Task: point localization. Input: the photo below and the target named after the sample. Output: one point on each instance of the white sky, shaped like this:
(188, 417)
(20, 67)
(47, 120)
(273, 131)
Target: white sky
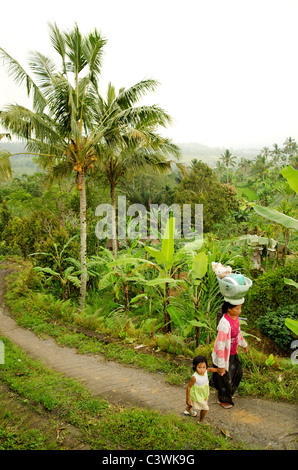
(228, 68)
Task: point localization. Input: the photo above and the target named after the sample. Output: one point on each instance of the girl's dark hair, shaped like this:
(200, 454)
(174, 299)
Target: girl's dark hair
(197, 361)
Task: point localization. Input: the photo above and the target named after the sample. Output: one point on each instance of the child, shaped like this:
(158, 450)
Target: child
(197, 391)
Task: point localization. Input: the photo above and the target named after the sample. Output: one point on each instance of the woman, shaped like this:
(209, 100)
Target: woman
(224, 355)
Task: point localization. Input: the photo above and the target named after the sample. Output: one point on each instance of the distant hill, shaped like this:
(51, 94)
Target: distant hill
(210, 155)
(24, 164)
(21, 164)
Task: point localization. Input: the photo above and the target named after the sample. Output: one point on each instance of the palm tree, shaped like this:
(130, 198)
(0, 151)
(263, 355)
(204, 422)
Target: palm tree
(68, 125)
(290, 150)
(131, 144)
(58, 125)
(261, 165)
(228, 160)
(244, 166)
(5, 168)
(276, 154)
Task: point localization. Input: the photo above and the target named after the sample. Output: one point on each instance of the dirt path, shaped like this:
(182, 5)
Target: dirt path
(260, 423)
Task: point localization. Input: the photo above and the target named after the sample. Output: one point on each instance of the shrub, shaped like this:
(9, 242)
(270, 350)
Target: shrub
(273, 325)
(270, 292)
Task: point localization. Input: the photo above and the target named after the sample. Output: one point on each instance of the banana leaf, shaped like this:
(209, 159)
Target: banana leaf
(292, 325)
(291, 176)
(277, 217)
(199, 266)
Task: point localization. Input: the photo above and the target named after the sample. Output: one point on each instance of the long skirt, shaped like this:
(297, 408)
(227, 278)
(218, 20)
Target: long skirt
(227, 384)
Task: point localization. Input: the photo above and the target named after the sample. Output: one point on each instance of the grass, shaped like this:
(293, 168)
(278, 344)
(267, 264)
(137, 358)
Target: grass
(43, 410)
(247, 192)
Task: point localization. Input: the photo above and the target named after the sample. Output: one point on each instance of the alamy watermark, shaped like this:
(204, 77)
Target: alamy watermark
(136, 222)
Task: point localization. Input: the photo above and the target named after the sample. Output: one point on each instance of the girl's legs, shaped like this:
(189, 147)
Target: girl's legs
(202, 415)
(189, 411)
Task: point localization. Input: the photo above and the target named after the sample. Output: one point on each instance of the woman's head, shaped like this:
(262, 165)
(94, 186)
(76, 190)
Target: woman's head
(199, 360)
(230, 308)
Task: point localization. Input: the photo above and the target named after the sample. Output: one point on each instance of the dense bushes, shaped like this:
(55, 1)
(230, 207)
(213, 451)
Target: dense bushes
(270, 292)
(273, 325)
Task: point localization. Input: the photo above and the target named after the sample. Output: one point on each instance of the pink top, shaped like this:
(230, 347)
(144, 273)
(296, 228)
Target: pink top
(222, 346)
(235, 330)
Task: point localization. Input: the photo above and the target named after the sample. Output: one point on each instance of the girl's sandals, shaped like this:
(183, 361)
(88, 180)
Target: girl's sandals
(192, 413)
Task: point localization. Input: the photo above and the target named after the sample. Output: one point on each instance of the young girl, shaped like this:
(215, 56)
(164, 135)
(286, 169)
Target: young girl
(197, 391)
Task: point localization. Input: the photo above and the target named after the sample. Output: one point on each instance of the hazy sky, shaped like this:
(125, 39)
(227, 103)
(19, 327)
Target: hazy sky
(228, 68)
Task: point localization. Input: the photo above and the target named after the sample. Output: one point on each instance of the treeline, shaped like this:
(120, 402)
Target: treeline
(36, 211)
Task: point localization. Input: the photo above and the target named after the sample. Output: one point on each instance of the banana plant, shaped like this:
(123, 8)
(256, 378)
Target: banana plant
(196, 286)
(196, 310)
(204, 291)
(288, 223)
(168, 263)
(121, 272)
(65, 276)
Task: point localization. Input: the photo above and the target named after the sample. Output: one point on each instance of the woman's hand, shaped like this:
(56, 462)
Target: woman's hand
(221, 370)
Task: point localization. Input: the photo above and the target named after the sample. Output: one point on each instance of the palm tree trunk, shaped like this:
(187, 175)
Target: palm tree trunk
(83, 234)
(114, 231)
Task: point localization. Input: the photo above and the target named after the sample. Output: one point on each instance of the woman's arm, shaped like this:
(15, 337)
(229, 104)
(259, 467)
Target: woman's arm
(221, 346)
(242, 342)
(212, 369)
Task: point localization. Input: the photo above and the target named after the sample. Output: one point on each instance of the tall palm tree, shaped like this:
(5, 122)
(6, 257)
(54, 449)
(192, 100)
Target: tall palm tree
(69, 125)
(132, 143)
(58, 125)
(228, 160)
(290, 149)
(276, 154)
(261, 166)
(244, 166)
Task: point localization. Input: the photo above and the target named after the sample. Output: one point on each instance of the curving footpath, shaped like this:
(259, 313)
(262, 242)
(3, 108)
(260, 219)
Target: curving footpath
(260, 423)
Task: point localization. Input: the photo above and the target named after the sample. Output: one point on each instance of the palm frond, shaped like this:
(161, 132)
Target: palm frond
(128, 97)
(20, 76)
(58, 42)
(75, 51)
(94, 53)
(5, 167)
(28, 124)
(44, 68)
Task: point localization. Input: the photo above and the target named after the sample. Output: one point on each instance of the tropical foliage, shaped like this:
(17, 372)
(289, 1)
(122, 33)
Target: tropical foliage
(71, 127)
(90, 148)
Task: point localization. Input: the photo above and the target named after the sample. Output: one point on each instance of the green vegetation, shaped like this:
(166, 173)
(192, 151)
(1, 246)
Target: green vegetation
(43, 410)
(45, 315)
(246, 192)
(109, 295)
(272, 324)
